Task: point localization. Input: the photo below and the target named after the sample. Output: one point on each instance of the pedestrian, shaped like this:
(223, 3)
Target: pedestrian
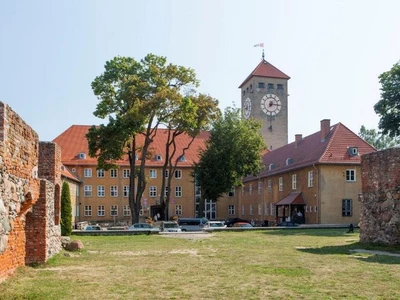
(155, 218)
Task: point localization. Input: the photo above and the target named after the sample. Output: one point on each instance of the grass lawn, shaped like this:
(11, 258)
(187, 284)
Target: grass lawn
(273, 264)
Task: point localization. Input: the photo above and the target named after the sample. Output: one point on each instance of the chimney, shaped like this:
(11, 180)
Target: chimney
(325, 128)
(298, 138)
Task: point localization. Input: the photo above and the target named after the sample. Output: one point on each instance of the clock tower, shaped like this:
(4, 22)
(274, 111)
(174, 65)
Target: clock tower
(265, 98)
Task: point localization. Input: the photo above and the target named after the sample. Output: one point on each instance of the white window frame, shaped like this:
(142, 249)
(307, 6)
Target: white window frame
(294, 181)
(232, 193)
(126, 191)
(87, 191)
(152, 191)
(113, 173)
(243, 209)
(310, 179)
(347, 207)
(243, 187)
(113, 210)
(126, 173)
(88, 211)
(101, 191)
(259, 188)
(178, 210)
(178, 174)
(250, 189)
(350, 175)
(114, 191)
(166, 174)
(101, 212)
(178, 191)
(127, 211)
(259, 209)
(87, 172)
(269, 185)
(231, 210)
(251, 209)
(280, 184)
(153, 173)
(100, 173)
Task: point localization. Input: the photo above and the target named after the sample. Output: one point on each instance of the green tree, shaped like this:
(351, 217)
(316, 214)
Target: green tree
(66, 210)
(388, 107)
(377, 139)
(137, 97)
(232, 152)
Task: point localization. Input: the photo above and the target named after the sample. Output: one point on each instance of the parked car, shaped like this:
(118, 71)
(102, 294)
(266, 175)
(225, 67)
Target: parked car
(229, 222)
(93, 227)
(287, 224)
(214, 224)
(143, 227)
(192, 224)
(170, 226)
(242, 224)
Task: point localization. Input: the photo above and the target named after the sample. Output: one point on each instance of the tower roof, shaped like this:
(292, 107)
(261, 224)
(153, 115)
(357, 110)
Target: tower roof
(265, 69)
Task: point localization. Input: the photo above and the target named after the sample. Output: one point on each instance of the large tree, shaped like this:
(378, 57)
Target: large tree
(66, 210)
(377, 139)
(388, 107)
(136, 96)
(232, 152)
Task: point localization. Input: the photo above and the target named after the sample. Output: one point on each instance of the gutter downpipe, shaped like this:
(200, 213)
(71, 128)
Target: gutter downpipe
(317, 194)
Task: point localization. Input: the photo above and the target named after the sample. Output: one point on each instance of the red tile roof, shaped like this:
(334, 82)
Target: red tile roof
(65, 172)
(73, 141)
(311, 150)
(265, 69)
(292, 198)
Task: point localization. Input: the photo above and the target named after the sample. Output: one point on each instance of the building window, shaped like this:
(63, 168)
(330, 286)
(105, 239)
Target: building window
(261, 85)
(114, 210)
(101, 191)
(113, 191)
(166, 174)
(127, 211)
(126, 191)
(269, 185)
(141, 212)
(153, 191)
(250, 189)
(259, 209)
(166, 191)
(266, 211)
(242, 190)
(153, 173)
(251, 209)
(310, 178)
(347, 207)
(88, 210)
(178, 210)
(270, 87)
(100, 173)
(178, 191)
(279, 89)
(178, 174)
(100, 211)
(351, 175)
(113, 173)
(231, 210)
(126, 173)
(231, 193)
(242, 209)
(294, 181)
(88, 191)
(259, 187)
(280, 184)
(87, 172)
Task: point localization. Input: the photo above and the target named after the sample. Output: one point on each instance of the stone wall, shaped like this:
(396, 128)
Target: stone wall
(380, 198)
(28, 222)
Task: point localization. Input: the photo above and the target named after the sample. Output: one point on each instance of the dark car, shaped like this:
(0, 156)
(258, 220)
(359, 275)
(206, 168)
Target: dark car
(287, 224)
(229, 222)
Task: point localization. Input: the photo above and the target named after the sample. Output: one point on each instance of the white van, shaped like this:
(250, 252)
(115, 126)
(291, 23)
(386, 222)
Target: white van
(192, 224)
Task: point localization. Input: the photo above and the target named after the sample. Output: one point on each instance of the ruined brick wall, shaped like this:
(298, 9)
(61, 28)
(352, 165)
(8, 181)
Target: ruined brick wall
(380, 199)
(20, 190)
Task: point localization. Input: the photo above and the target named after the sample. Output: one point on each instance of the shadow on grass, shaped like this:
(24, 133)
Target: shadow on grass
(314, 232)
(365, 257)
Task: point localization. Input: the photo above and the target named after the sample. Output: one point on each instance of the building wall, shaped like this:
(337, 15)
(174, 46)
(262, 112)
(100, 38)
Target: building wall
(380, 199)
(335, 188)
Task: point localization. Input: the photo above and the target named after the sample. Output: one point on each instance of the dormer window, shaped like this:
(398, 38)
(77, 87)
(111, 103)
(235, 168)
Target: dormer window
(82, 155)
(289, 161)
(182, 158)
(158, 157)
(353, 151)
(271, 167)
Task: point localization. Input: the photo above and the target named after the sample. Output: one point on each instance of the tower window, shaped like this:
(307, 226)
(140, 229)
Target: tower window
(279, 89)
(243, 92)
(270, 87)
(261, 85)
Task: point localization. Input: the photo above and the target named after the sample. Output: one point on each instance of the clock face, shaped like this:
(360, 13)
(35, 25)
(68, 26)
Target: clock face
(247, 108)
(270, 104)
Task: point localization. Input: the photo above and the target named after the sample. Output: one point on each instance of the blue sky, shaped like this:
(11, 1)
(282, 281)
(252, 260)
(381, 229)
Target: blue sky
(333, 51)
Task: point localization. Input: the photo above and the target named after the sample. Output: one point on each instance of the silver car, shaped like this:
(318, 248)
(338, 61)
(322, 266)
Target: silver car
(170, 226)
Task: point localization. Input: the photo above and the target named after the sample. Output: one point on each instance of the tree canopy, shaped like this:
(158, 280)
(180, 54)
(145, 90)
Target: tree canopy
(232, 152)
(377, 139)
(388, 107)
(138, 97)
